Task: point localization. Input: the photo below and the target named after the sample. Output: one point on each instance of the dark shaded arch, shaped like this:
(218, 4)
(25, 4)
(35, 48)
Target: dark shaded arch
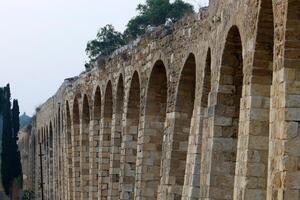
(47, 161)
(227, 114)
(206, 88)
(116, 140)
(183, 114)
(69, 164)
(129, 150)
(84, 148)
(105, 139)
(51, 162)
(108, 101)
(94, 152)
(292, 37)
(76, 149)
(59, 169)
(97, 104)
(155, 115)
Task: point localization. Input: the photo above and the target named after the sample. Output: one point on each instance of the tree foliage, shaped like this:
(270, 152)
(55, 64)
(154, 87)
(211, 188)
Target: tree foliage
(17, 172)
(107, 41)
(10, 156)
(153, 13)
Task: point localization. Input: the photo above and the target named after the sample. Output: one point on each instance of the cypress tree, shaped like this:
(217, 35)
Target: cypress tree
(10, 156)
(17, 171)
(6, 171)
(1, 100)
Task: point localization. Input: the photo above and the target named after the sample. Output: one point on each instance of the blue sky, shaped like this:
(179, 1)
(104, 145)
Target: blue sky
(42, 42)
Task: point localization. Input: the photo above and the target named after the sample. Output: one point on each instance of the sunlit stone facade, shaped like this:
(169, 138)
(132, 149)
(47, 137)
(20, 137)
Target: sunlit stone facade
(208, 108)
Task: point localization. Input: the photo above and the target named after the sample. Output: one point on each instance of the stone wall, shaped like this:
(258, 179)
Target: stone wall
(208, 108)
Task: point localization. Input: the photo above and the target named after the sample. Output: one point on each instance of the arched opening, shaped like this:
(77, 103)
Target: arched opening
(69, 156)
(47, 162)
(63, 154)
(59, 169)
(227, 115)
(206, 88)
(105, 139)
(183, 114)
(84, 156)
(95, 144)
(129, 148)
(44, 152)
(155, 115)
(292, 37)
(51, 165)
(76, 149)
(116, 141)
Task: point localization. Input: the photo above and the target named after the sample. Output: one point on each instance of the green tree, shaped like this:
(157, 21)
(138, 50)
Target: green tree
(154, 13)
(11, 169)
(16, 157)
(106, 42)
(1, 99)
(6, 172)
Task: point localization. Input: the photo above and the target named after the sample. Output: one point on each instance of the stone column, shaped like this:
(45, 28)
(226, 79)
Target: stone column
(105, 141)
(114, 171)
(84, 159)
(76, 161)
(192, 175)
(284, 155)
(94, 159)
(253, 143)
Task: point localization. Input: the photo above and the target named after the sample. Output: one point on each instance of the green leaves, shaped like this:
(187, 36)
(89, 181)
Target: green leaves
(153, 13)
(10, 156)
(106, 42)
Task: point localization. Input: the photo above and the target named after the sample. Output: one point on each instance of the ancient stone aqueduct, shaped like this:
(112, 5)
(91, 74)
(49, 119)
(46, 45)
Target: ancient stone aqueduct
(206, 109)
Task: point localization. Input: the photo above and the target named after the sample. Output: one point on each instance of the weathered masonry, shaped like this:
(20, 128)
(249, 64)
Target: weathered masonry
(208, 108)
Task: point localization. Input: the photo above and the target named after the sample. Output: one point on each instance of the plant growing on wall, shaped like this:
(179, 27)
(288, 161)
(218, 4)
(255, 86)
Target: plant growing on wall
(152, 13)
(155, 13)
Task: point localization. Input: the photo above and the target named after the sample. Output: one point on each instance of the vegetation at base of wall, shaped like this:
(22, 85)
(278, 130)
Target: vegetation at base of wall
(28, 195)
(11, 170)
(152, 13)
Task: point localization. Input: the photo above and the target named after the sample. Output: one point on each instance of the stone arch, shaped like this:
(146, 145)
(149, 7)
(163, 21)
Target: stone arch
(84, 148)
(44, 153)
(129, 148)
(59, 171)
(51, 160)
(116, 141)
(105, 141)
(292, 36)
(219, 166)
(254, 131)
(183, 114)
(46, 161)
(76, 148)
(95, 143)
(155, 115)
(206, 86)
(69, 156)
